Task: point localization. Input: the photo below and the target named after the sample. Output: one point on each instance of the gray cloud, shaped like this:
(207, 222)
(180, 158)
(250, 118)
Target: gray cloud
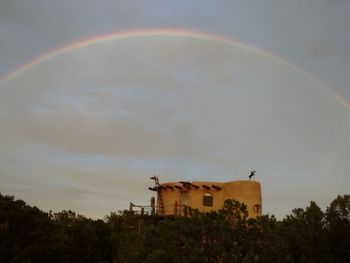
(86, 129)
(93, 124)
(313, 34)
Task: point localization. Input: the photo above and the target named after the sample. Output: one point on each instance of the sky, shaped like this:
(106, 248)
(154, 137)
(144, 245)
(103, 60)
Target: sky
(98, 96)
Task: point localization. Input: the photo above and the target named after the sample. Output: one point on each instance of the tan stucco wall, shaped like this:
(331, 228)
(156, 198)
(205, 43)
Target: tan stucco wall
(245, 191)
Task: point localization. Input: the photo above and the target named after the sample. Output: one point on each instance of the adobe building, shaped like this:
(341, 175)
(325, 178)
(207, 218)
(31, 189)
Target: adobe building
(174, 198)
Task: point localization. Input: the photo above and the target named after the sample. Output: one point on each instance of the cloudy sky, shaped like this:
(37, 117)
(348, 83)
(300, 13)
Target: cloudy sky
(97, 96)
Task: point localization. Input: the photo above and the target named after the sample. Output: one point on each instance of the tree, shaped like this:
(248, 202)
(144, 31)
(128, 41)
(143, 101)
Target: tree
(305, 234)
(85, 240)
(27, 234)
(265, 242)
(338, 227)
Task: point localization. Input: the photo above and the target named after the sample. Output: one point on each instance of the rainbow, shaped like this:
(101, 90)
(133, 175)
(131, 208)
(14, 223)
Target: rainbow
(167, 32)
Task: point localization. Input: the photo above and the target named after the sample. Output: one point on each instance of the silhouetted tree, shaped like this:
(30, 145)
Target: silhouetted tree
(28, 234)
(305, 234)
(338, 227)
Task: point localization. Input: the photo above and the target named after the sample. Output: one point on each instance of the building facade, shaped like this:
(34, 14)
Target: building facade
(174, 198)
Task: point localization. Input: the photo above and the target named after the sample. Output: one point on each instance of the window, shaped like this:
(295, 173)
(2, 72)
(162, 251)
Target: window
(207, 199)
(257, 208)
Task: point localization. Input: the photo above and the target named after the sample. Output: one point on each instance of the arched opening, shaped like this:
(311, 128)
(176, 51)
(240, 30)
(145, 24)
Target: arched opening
(257, 208)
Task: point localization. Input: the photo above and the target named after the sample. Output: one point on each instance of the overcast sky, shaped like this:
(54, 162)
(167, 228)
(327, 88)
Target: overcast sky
(85, 128)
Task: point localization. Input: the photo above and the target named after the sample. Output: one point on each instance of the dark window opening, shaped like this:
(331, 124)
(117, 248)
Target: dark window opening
(207, 199)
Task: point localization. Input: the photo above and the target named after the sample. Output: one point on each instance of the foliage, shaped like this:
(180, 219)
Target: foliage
(28, 234)
(338, 228)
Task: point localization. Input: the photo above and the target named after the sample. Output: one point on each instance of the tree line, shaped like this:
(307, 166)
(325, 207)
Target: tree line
(28, 234)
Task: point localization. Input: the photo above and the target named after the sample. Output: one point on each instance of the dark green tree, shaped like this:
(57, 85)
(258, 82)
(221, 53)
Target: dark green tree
(338, 227)
(85, 240)
(26, 233)
(306, 235)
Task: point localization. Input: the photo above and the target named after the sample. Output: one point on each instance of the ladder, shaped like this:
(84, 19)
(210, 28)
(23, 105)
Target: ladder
(160, 200)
